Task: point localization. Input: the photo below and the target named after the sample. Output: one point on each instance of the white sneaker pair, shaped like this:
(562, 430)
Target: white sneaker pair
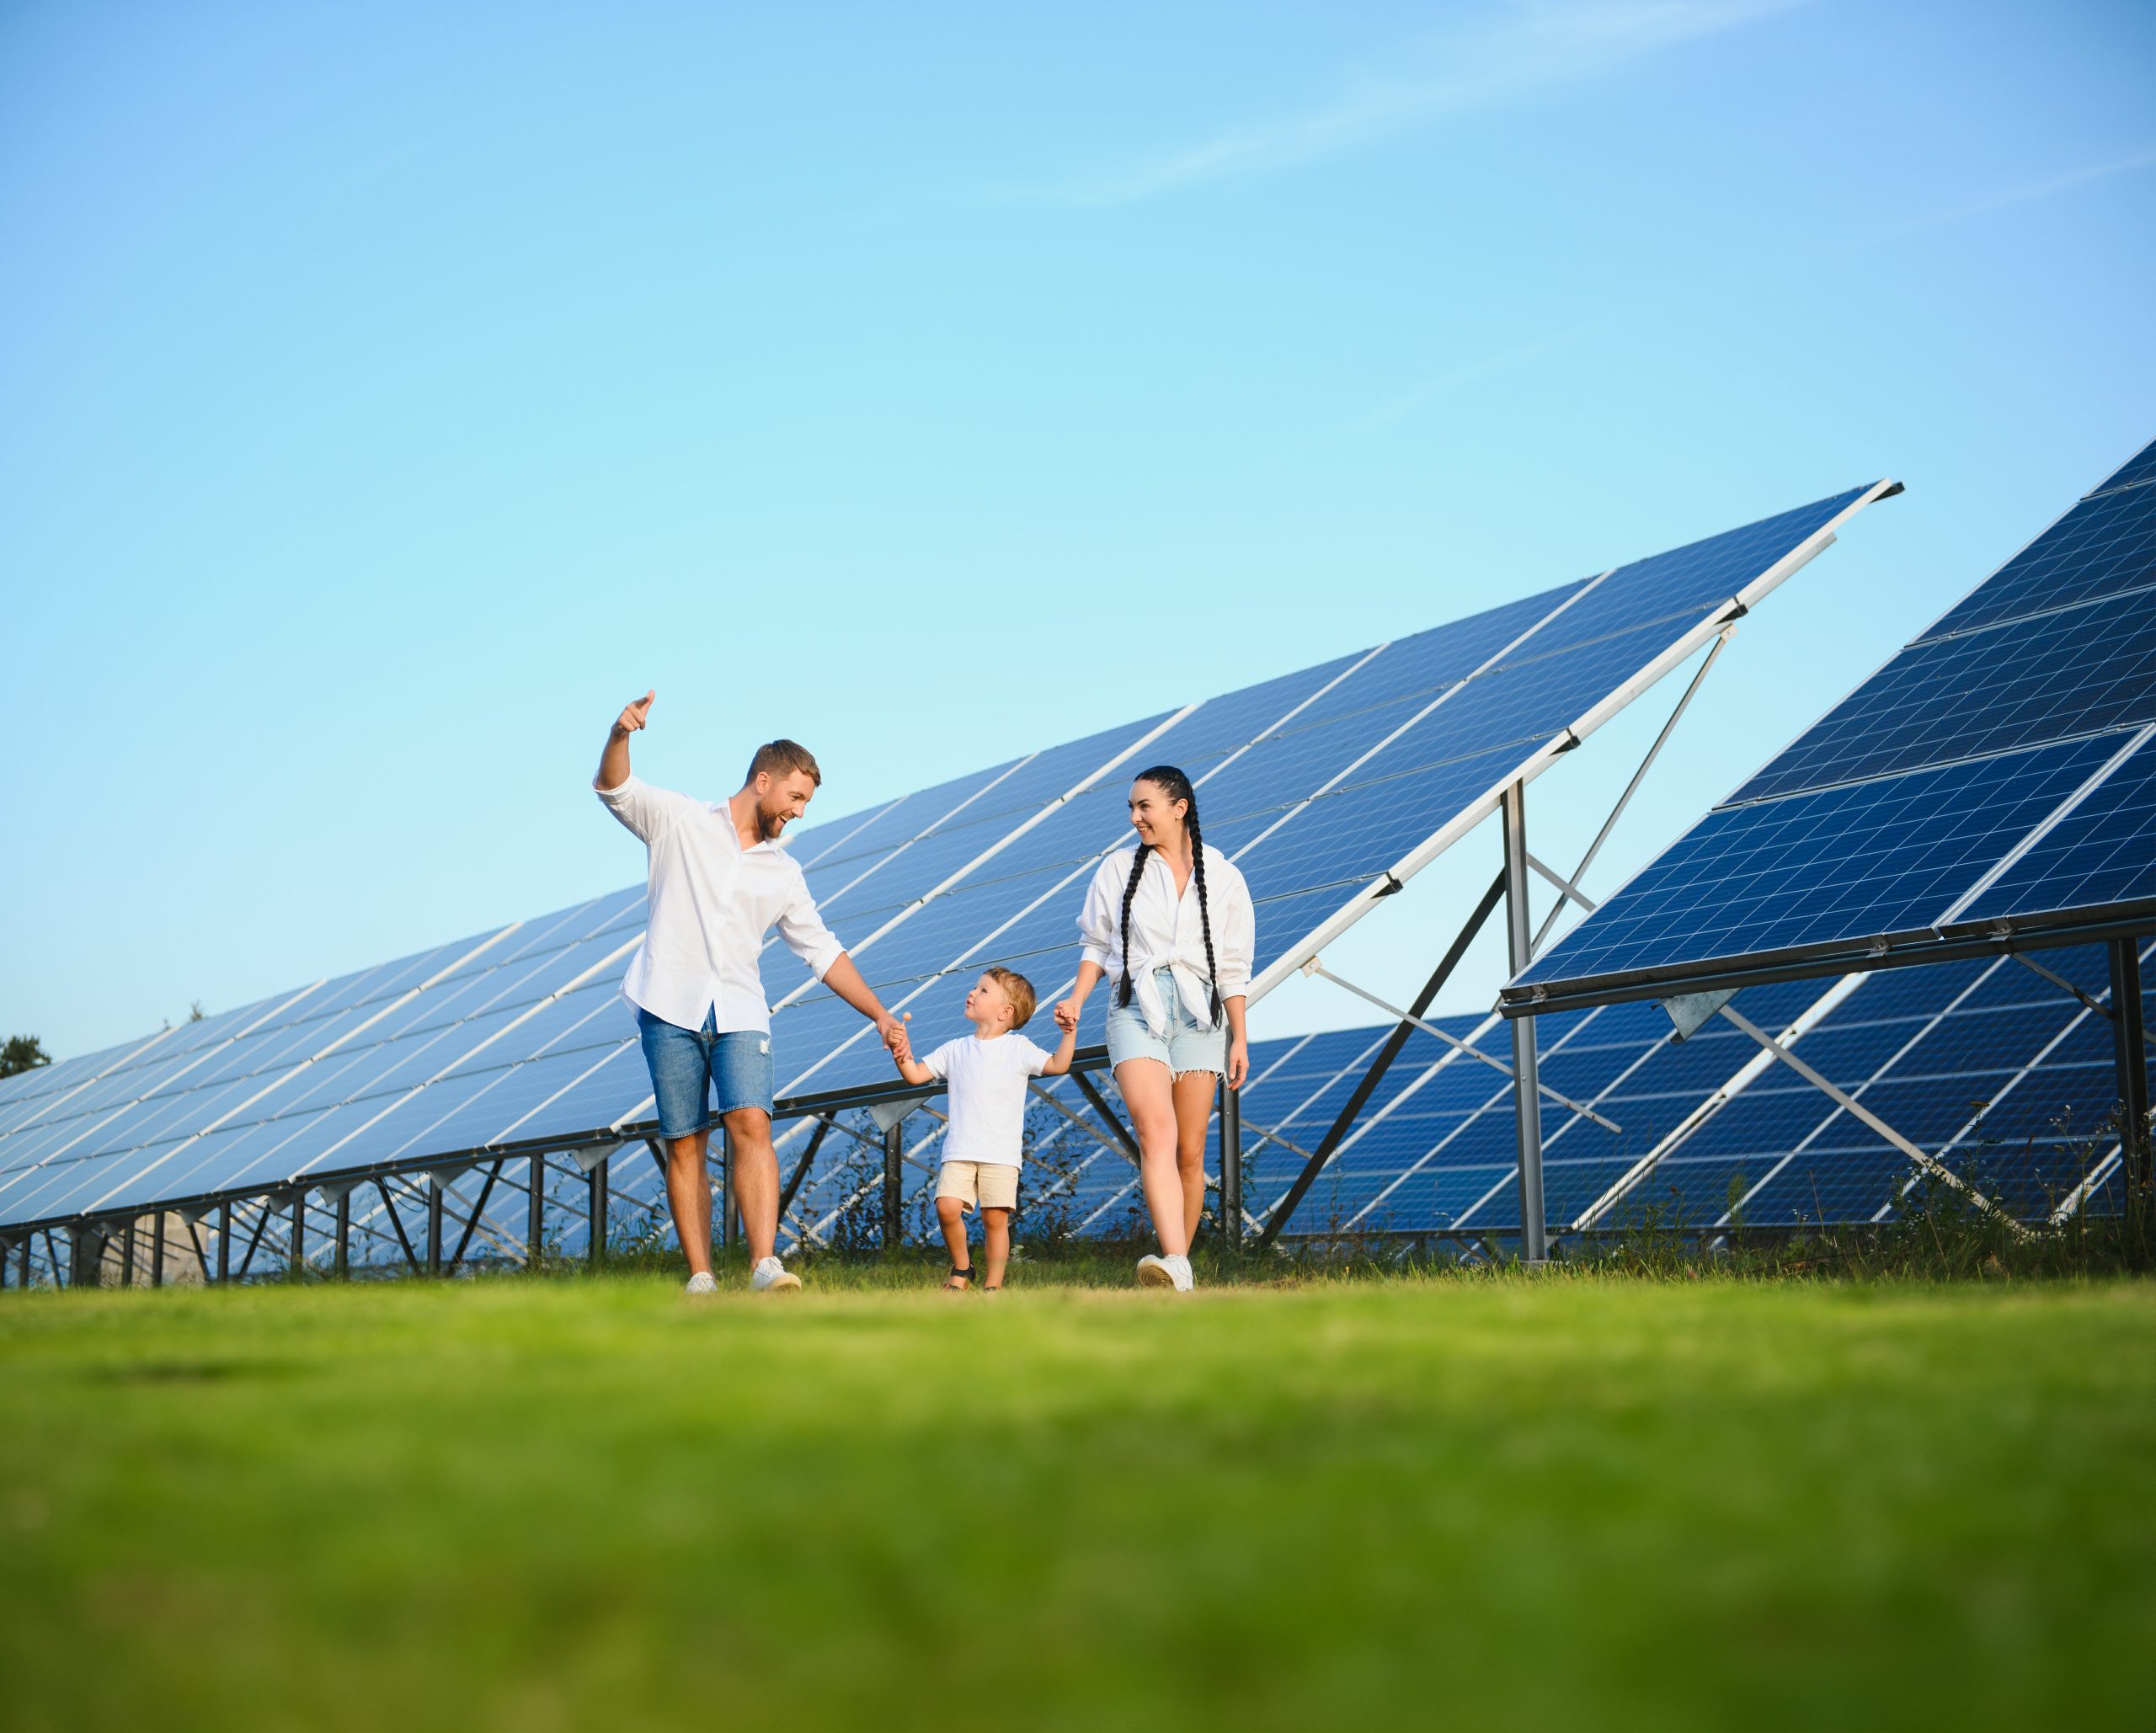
(1165, 1273)
(771, 1276)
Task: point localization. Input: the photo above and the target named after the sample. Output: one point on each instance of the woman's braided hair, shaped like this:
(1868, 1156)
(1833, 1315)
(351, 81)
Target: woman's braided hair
(1171, 782)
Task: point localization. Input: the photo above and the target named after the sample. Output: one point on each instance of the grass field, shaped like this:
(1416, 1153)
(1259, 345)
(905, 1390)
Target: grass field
(1577, 1502)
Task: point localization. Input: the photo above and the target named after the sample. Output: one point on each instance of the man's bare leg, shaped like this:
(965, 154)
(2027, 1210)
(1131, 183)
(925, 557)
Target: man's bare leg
(688, 1195)
(755, 1166)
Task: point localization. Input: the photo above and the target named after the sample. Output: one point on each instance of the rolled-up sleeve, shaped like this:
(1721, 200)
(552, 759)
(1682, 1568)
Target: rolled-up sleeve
(643, 810)
(804, 932)
(1237, 937)
(1098, 919)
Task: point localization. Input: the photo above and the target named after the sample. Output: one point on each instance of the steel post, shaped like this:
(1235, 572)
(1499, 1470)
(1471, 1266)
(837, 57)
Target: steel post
(725, 1198)
(1231, 1168)
(2130, 1055)
(535, 1213)
(158, 1251)
(894, 1161)
(127, 1254)
(1527, 1082)
(433, 1224)
(225, 1242)
(295, 1264)
(345, 1233)
(598, 1185)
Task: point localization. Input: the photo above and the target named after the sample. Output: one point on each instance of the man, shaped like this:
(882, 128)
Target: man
(720, 881)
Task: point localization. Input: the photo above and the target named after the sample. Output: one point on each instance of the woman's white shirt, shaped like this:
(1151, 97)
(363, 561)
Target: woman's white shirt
(1166, 932)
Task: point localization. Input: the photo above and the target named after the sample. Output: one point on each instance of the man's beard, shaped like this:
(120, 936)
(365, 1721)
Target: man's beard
(769, 824)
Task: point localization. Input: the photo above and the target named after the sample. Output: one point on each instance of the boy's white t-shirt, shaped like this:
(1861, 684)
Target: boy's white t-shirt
(987, 1096)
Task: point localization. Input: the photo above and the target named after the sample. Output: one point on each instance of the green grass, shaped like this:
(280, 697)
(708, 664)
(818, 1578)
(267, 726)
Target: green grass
(1578, 1501)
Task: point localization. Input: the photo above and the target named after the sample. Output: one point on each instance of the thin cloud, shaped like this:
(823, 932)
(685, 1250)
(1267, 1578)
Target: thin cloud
(2029, 191)
(1525, 46)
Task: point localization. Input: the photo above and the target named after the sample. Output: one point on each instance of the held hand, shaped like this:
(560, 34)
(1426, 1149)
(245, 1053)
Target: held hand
(633, 718)
(892, 1034)
(1066, 1015)
(1238, 1063)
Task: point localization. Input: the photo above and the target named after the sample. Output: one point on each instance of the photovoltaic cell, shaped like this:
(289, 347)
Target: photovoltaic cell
(2105, 547)
(2136, 469)
(2101, 854)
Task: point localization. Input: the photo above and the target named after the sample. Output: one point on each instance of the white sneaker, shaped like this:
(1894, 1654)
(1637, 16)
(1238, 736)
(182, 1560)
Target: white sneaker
(702, 1282)
(1178, 1269)
(772, 1276)
(1157, 1272)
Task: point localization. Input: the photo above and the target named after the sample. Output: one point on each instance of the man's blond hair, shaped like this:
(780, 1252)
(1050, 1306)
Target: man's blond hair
(1018, 989)
(782, 758)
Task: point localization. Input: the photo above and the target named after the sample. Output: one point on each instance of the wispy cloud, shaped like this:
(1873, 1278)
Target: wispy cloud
(1499, 55)
(2027, 192)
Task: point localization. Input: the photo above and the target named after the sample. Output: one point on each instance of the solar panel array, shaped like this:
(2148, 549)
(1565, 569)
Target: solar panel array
(1326, 785)
(1997, 774)
(1985, 1064)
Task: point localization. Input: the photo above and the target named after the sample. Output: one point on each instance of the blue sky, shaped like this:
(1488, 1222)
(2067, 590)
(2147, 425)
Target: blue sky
(389, 392)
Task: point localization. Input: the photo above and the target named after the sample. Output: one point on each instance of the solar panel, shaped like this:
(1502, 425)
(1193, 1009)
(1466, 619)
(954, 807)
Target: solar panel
(1960, 797)
(1329, 785)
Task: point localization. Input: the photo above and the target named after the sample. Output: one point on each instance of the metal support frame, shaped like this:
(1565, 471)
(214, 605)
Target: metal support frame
(472, 1223)
(893, 1182)
(127, 1254)
(535, 1211)
(596, 1179)
(397, 1221)
(1231, 1168)
(434, 1188)
(296, 1260)
(808, 1159)
(344, 1264)
(1295, 1193)
(254, 1239)
(224, 1242)
(1527, 1082)
(158, 1251)
(2130, 1054)
(1099, 1103)
(1857, 1110)
(725, 1198)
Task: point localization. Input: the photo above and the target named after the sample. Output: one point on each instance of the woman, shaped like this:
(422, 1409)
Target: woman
(1169, 923)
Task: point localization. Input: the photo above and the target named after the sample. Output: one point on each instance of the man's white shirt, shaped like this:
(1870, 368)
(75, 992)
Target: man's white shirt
(987, 1080)
(1166, 932)
(712, 902)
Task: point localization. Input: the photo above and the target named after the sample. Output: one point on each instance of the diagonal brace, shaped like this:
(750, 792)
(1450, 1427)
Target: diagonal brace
(1856, 1109)
(1315, 967)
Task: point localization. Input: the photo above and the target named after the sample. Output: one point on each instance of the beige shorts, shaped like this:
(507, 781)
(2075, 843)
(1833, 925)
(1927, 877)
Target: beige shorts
(990, 1184)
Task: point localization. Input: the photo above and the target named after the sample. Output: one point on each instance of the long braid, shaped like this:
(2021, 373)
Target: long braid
(1204, 914)
(1129, 896)
(1171, 782)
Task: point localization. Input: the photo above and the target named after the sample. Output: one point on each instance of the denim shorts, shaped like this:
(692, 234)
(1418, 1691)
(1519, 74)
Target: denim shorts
(686, 1064)
(1185, 1047)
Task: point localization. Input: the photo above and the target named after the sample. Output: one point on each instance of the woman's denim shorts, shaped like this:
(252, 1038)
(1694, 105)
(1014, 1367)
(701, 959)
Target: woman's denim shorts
(1186, 1046)
(687, 1064)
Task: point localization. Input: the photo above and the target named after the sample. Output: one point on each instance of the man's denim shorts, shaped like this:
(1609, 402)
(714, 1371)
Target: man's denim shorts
(685, 1065)
(1186, 1047)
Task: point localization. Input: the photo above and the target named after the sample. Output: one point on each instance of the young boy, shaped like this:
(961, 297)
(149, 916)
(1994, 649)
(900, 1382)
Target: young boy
(987, 1074)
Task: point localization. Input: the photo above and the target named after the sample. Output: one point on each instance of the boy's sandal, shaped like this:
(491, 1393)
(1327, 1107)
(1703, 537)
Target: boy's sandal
(959, 1275)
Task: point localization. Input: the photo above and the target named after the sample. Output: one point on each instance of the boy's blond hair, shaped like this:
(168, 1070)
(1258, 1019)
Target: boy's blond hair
(1018, 989)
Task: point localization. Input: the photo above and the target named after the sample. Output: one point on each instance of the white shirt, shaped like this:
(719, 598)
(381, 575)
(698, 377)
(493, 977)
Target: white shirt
(712, 902)
(1166, 932)
(987, 1096)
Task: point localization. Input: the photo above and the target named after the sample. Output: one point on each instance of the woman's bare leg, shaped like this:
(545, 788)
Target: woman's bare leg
(1149, 1097)
(1193, 1101)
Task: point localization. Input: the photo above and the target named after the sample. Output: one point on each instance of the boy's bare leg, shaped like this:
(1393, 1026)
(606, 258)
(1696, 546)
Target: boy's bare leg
(1193, 1093)
(755, 1175)
(998, 1248)
(688, 1195)
(950, 1216)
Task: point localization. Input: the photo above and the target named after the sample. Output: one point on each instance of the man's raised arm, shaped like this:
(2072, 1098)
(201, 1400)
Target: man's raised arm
(614, 761)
